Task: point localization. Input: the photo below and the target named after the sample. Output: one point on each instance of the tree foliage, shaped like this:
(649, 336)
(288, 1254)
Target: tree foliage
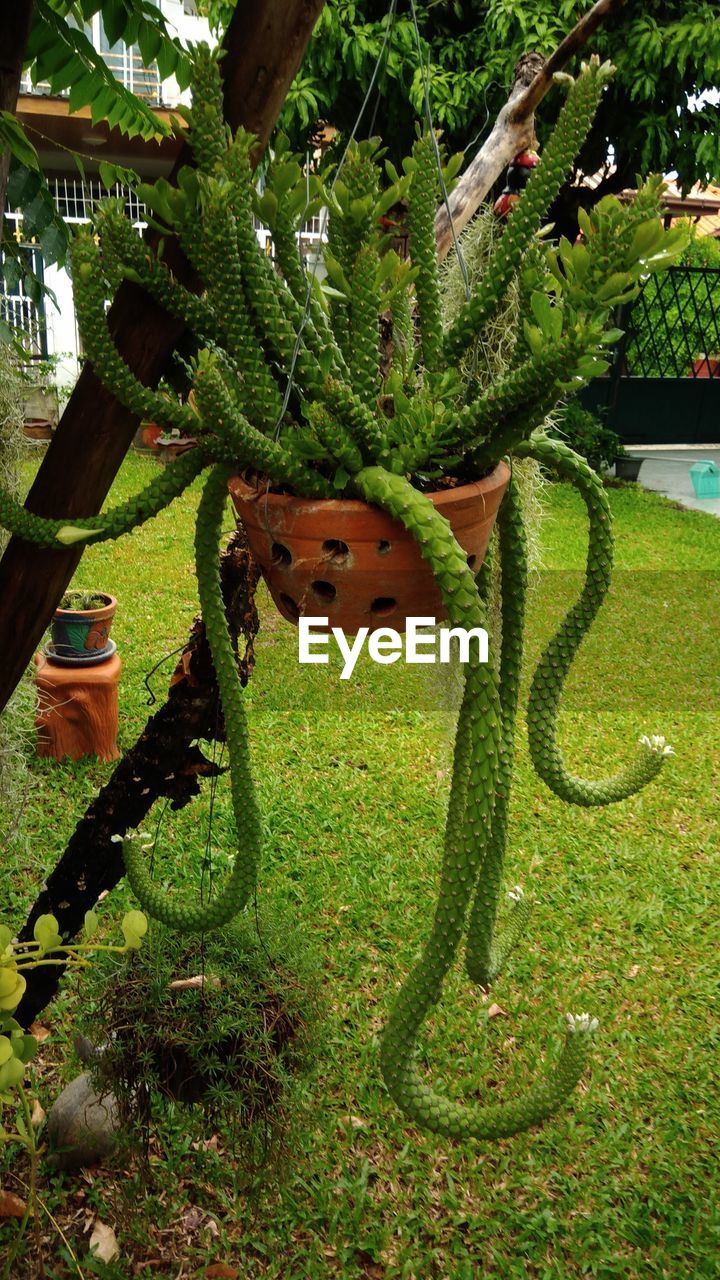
(60, 54)
(667, 53)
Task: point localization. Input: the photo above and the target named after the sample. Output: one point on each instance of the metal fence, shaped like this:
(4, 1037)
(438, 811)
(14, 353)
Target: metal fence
(664, 383)
(672, 329)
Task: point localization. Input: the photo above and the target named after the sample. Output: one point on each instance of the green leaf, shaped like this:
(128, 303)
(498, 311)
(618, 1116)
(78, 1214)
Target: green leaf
(54, 242)
(134, 927)
(13, 139)
(91, 924)
(108, 175)
(23, 184)
(114, 20)
(149, 41)
(46, 933)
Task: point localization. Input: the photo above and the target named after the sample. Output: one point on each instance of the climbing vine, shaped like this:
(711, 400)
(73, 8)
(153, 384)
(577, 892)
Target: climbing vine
(291, 381)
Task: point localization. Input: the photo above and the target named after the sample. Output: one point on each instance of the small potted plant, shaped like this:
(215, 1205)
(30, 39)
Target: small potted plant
(626, 467)
(80, 627)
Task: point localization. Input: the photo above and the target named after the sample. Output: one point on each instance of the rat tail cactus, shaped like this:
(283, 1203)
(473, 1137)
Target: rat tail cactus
(291, 381)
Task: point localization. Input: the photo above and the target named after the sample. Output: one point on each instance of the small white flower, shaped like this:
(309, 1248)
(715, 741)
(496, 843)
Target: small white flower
(581, 1023)
(657, 744)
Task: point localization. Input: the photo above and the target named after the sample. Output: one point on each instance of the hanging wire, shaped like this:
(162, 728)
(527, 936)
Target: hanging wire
(390, 22)
(160, 663)
(438, 159)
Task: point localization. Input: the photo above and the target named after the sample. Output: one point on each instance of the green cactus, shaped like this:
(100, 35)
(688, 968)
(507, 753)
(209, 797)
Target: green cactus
(234, 894)
(553, 668)
(290, 381)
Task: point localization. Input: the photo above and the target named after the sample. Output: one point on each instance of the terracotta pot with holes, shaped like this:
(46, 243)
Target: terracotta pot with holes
(350, 562)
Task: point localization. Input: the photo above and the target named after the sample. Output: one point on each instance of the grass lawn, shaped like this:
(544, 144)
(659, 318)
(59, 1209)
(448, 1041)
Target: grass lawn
(353, 780)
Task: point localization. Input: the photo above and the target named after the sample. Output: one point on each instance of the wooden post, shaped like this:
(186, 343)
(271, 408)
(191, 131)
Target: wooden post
(264, 47)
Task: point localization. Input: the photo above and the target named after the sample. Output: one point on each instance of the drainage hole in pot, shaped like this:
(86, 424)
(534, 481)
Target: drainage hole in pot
(324, 591)
(383, 605)
(290, 604)
(335, 549)
(472, 560)
(280, 554)
(383, 547)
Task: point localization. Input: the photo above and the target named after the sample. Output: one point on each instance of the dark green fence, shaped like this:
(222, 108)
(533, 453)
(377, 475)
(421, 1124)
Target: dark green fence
(664, 384)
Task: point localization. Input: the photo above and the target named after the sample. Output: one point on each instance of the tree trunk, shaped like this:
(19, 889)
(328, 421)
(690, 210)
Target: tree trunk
(264, 47)
(15, 31)
(162, 763)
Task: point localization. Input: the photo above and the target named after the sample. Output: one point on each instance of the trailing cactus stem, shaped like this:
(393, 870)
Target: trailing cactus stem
(477, 750)
(111, 524)
(191, 917)
(483, 958)
(365, 328)
(89, 292)
(552, 670)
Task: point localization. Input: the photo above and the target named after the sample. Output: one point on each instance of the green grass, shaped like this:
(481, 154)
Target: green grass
(353, 780)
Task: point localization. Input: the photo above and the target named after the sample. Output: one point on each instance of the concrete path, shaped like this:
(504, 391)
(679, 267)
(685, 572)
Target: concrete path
(666, 470)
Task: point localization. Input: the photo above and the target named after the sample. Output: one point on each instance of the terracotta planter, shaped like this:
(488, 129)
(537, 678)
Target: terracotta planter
(352, 563)
(83, 634)
(146, 437)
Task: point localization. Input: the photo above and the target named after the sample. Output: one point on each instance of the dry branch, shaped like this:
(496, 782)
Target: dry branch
(514, 129)
(163, 763)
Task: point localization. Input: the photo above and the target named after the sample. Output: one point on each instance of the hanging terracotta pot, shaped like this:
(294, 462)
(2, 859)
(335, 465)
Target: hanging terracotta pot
(351, 562)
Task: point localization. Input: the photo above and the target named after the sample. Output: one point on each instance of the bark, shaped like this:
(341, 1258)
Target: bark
(161, 764)
(514, 129)
(15, 31)
(264, 46)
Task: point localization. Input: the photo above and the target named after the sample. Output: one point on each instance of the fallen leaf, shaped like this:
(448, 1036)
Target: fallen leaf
(495, 1011)
(212, 1228)
(355, 1122)
(103, 1242)
(219, 1271)
(38, 1114)
(192, 1218)
(39, 1032)
(195, 983)
(11, 1206)
(633, 971)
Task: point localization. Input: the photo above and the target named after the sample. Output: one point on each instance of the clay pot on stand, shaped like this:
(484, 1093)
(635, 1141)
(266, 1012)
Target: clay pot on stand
(351, 562)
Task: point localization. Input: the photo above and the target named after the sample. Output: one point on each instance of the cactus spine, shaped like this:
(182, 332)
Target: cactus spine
(290, 381)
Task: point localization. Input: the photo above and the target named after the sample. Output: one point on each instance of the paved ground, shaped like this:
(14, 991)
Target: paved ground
(666, 469)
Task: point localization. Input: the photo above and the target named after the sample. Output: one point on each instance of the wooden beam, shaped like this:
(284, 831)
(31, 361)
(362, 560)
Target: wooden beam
(264, 47)
(514, 129)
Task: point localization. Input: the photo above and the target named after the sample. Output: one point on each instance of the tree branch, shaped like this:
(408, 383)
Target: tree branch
(514, 129)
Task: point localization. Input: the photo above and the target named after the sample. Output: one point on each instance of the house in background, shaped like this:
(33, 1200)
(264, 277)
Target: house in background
(50, 330)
